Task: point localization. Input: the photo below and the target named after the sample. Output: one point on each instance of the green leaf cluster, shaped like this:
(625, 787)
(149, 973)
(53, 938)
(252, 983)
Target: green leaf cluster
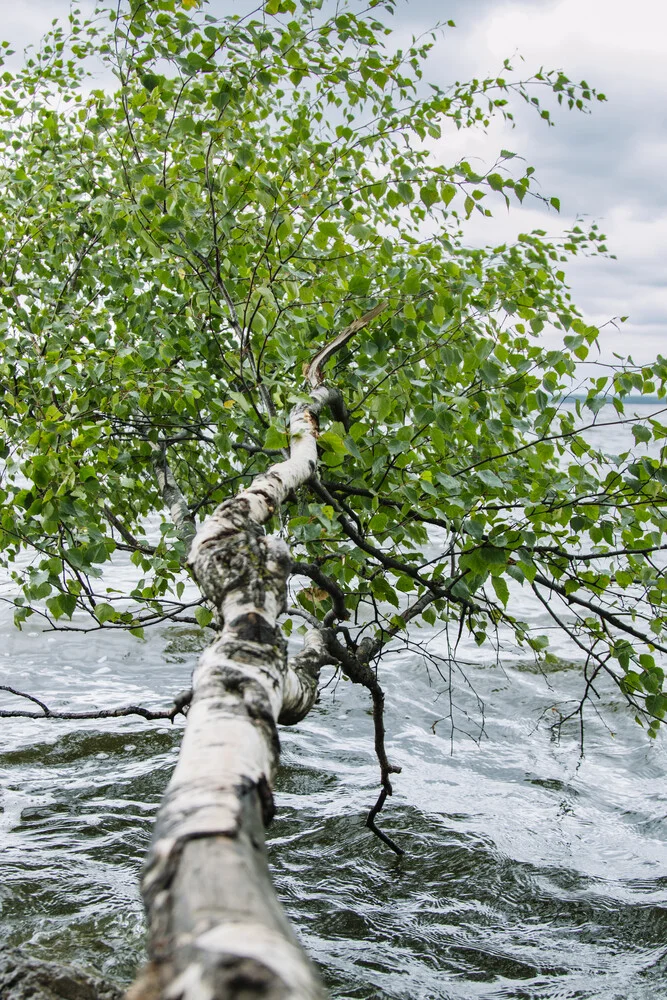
(174, 248)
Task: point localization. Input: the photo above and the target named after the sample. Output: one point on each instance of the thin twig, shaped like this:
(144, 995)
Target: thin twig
(313, 572)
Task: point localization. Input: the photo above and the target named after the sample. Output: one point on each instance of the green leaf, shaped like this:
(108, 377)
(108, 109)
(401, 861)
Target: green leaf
(170, 224)
(384, 592)
(641, 433)
(448, 192)
(429, 194)
(405, 192)
(62, 606)
(489, 478)
(501, 589)
(203, 615)
(105, 612)
(275, 438)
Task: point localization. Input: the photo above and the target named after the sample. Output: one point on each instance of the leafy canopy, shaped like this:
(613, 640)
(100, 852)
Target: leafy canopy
(190, 209)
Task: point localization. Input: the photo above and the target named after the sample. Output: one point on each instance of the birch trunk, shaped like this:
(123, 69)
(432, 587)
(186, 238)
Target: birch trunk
(216, 928)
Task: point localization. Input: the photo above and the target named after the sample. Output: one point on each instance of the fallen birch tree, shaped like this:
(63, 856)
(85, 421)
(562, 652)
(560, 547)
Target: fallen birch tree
(253, 206)
(216, 928)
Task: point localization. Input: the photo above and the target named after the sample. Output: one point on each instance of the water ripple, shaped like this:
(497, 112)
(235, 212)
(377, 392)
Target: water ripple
(531, 873)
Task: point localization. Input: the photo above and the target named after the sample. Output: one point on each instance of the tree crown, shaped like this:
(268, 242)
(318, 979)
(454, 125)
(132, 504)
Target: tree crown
(179, 247)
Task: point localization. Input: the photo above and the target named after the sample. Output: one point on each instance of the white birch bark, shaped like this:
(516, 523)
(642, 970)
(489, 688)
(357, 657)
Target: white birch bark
(173, 498)
(216, 928)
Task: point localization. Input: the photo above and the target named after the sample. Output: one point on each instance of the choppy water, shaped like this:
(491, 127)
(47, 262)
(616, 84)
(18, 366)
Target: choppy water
(530, 872)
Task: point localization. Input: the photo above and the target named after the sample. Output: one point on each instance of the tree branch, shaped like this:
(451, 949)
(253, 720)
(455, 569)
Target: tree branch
(356, 666)
(600, 612)
(313, 370)
(173, 497)
(314, 573)
(181, 701)
(304, 668)
(133, 542)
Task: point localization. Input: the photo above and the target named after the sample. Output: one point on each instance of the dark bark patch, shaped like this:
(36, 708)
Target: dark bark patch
(290, 716)
(257, 703)
(311, 419)
(258, 708)
(269, 500)
(246, 979)
(266, 800)
(233, 681)
(264, 794)
(248, 653)
(252, 627)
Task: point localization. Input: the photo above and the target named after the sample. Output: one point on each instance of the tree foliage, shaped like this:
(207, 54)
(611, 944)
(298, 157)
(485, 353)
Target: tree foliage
(191, 209)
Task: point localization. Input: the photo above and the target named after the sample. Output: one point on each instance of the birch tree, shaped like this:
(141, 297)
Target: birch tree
(246, 341)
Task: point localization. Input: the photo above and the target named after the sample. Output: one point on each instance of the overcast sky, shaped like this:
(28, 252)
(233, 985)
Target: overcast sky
(610, 166)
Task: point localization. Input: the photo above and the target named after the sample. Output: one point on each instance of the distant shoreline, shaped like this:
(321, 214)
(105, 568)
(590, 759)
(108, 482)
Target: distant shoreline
(578, 397)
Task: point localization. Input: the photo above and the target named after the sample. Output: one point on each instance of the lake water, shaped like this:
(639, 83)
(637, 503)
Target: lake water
(530, 872)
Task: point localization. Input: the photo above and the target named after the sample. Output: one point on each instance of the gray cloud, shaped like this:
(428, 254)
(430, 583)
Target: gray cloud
(609, 165)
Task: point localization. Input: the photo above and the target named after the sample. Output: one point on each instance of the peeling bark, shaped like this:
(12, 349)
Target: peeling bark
(216, 928)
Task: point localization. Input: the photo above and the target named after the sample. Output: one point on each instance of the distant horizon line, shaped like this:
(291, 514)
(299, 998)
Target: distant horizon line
(610, 399)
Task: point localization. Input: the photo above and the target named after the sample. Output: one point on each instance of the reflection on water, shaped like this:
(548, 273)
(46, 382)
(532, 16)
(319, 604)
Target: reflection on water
(530, 873)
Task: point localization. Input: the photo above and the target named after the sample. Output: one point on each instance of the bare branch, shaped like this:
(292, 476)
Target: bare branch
(355, 664)
(294, 612)
(386, 769)
(313, 371)
(590, 556)
(181, 701)
(23, 694)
